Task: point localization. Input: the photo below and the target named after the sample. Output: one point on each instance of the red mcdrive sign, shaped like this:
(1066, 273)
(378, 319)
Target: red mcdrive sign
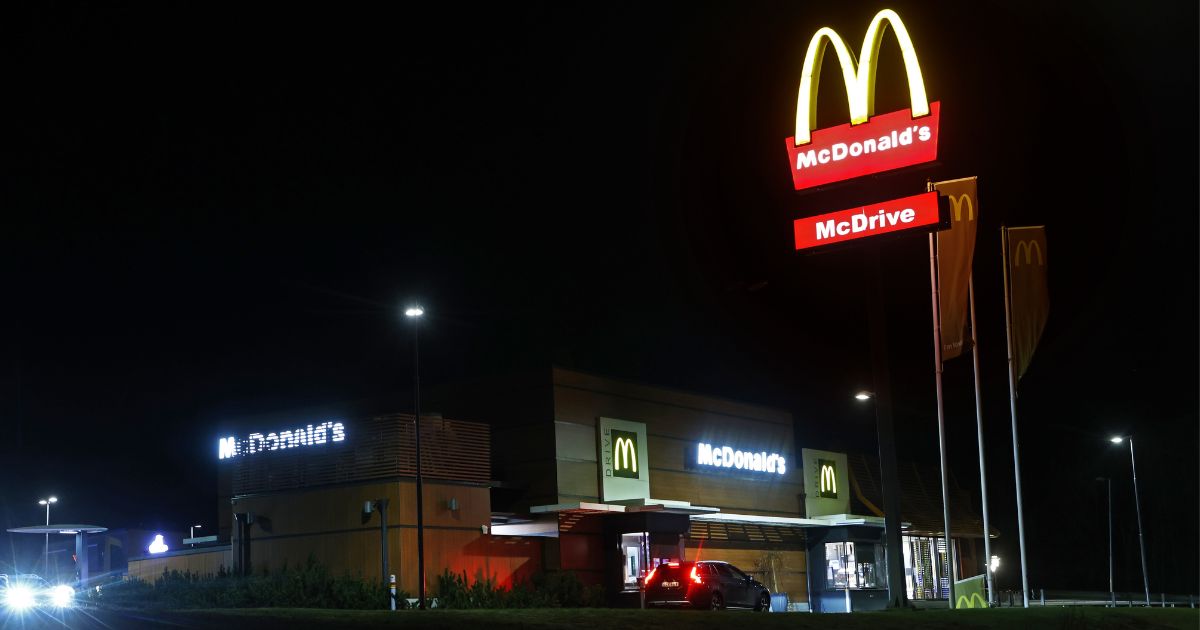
(886, 142)
(870, 220)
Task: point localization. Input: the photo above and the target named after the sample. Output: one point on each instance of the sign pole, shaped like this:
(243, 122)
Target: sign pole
(937, 361)
(886, 433)
(1012, 405)
(987, 529)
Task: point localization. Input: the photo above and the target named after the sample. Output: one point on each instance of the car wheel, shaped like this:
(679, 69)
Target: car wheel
(716, 602)
(764, 603)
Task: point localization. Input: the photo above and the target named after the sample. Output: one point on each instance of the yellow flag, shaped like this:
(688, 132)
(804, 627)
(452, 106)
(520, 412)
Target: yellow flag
(956, 250)
(1028, 290)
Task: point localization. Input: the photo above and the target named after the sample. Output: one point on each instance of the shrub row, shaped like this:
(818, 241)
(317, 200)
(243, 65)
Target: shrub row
(559, 589)
(309, 586)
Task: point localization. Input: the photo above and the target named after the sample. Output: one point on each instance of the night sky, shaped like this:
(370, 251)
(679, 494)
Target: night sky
(210, 213)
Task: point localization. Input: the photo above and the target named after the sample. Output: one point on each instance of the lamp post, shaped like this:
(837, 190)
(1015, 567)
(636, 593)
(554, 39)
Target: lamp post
(192, 534)
(46, 552)
(414, 313)
(1112, 596)
(1138, 504)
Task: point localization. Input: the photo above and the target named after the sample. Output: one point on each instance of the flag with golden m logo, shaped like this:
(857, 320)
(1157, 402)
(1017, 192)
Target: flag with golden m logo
(956, 250)
(1030, 297)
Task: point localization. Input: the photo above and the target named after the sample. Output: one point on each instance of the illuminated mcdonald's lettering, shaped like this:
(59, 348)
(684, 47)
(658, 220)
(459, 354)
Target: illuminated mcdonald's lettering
(727, 457)
(308, 435)
(1029, 247)
(956, 206)
(625, 455)
(868, 143)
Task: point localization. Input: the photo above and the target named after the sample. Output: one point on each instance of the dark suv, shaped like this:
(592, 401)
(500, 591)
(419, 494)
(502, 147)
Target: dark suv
(707, 584)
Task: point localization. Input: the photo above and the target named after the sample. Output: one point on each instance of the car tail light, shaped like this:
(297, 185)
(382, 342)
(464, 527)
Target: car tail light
(650, 576)
(695, 577)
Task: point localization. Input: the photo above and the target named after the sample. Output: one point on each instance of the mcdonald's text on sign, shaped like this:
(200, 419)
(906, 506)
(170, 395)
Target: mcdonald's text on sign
(887, 142)
(917, 211)
(728, 457)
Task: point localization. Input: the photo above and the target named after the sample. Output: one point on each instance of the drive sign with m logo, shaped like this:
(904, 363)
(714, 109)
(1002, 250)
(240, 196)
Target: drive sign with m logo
(624, 462)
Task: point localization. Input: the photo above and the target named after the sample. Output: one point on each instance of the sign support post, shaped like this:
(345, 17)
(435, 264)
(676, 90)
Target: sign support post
(1012, 405)
(886, 434)
(987, 528)
(941, 418)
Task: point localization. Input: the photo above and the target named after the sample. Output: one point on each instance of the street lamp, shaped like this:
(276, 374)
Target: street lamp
(414, 313)
(192, 533)
(995, 564)
(1112, 595)
(1138, 504)
(862, 396)
(46, 553)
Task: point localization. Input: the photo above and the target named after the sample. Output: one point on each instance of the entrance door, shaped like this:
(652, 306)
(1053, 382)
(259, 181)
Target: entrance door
(635, 556)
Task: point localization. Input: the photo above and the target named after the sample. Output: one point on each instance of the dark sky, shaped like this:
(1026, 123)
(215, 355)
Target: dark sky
(209, 213)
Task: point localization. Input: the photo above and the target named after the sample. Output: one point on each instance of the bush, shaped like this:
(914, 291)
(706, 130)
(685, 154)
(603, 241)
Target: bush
(558, 589)
(310, 586)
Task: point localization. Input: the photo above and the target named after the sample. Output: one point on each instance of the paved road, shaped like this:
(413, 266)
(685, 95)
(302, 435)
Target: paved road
(90, 619)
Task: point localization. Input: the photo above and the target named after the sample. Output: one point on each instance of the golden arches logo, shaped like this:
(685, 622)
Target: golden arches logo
(1029, 248)
(859, 78)
(827, 480)
(625, 455)
(956, 206)
(969, 602)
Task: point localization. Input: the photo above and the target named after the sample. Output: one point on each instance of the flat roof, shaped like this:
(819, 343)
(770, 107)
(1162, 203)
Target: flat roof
(59, 529)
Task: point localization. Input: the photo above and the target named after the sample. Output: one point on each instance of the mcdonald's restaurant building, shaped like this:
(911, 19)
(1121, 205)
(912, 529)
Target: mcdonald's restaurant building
(568, 471)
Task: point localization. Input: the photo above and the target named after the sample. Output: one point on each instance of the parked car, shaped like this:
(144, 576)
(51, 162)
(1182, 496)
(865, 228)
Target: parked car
(708, 584)
(27, 591)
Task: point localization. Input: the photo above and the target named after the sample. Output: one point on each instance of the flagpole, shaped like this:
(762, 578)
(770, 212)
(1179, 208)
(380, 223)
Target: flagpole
(937, 361)
(987, 528)
(1012, 405)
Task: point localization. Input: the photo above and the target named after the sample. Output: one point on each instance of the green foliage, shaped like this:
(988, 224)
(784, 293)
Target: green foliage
(558, 589)
(309, 586)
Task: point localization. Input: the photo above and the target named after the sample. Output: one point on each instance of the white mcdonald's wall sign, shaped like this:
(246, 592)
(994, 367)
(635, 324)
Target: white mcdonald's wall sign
(624, 460)
(826, 483)
(868, 143)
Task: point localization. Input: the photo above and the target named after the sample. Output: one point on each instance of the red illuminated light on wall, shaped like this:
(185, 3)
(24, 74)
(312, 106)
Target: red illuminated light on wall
(897, 215)
(884, 143)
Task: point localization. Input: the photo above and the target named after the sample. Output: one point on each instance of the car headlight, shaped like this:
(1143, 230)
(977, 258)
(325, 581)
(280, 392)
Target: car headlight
(62, 596)
(18, 597)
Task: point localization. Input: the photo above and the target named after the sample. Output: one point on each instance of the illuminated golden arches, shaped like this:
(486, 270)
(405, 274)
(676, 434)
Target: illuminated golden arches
(859, 78)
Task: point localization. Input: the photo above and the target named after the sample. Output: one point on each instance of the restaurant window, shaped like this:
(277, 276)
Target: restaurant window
(850, 565)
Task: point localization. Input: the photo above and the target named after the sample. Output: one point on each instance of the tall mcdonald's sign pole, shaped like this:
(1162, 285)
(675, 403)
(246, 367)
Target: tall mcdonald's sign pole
(1012, 405)
(871, 144)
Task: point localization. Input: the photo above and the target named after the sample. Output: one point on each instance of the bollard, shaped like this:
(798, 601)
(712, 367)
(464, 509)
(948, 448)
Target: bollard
(1163, 598)
(392, 588)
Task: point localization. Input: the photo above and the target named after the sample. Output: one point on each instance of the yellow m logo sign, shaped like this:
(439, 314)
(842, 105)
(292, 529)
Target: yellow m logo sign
(957, 202)
(625, 455)
(1029, 248)
(827, 480)
(860, 78)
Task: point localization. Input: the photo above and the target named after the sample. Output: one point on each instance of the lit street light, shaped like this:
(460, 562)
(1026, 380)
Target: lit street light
(1138, 504)
(863, 396)
(414, 313)
(192, 533)
(46, 553)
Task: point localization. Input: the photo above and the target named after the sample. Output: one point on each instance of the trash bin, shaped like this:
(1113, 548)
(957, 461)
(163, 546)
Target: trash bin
(779, 602)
